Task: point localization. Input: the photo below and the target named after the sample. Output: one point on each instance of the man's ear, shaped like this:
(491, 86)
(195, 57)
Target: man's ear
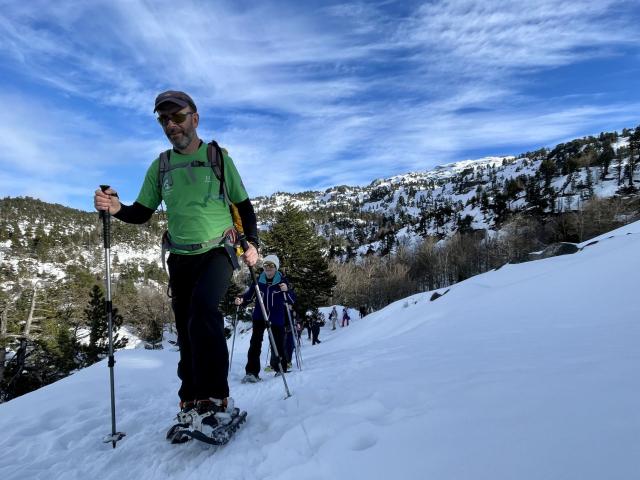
(196, 119)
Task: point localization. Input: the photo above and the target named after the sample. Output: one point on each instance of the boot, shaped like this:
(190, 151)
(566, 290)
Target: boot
(213, 413)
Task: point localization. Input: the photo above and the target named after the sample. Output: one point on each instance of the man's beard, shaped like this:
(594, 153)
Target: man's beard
(182, 141)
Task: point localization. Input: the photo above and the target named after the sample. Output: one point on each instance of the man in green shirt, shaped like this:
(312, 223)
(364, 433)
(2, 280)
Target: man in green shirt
(200, 268)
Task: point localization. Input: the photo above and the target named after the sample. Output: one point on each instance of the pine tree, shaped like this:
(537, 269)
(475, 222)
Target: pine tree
(548, 170)
(96, 316)
(299, 249)
(634, 156)
(589, 183)
(605, 159)
(620, 154)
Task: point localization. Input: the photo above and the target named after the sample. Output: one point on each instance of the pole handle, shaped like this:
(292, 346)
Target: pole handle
(106, 222)
(244, 243)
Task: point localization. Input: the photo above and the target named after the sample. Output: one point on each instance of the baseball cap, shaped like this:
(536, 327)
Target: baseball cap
(173, 96)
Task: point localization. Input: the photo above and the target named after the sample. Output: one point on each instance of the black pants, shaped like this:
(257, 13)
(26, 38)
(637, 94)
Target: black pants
(315, 331)
(198, 283)
(255, 348)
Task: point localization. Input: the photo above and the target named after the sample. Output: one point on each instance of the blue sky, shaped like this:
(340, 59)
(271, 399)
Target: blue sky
(305, 95)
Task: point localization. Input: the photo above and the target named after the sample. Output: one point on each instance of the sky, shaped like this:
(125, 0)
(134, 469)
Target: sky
(304, 95)
(528, 372)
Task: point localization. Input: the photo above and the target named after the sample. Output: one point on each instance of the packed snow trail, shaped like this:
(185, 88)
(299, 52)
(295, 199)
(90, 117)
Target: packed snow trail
(529, 372)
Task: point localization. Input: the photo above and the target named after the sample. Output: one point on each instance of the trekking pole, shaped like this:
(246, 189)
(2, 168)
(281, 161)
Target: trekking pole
(286, 307)
(294, 333)
(272, 340)
(106, 232)
(233, 342)
(297, 337)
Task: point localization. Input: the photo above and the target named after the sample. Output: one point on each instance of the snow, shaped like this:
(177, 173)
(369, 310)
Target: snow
(127, 253)
(528, 372)
(133, 341)
(51, 269)
(606, 189)
(621, 142)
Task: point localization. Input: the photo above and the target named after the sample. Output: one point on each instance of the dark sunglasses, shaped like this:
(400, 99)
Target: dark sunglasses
(174, 117)
(269, 265)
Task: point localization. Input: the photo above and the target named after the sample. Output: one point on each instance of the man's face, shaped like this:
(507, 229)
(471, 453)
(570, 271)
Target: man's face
(179, 126)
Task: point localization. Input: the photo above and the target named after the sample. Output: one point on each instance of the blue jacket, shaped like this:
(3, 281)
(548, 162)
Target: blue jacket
(274, 298)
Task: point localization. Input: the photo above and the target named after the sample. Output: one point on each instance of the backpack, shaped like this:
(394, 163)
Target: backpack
(216, 162)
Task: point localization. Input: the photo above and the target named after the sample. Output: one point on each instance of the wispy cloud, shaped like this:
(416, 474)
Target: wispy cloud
(513, 34)
(308, 95)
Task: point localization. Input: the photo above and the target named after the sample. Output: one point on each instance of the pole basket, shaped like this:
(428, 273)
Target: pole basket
(114, 438)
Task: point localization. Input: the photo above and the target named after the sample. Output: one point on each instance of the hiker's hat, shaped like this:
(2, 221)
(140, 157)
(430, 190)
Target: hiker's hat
(272, 259)
(178, 98)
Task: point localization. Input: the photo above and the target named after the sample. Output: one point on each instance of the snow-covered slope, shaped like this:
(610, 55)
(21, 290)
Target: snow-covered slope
(477, 194)
(529, 372)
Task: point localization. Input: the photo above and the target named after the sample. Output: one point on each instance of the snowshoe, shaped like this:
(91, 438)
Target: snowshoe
(176, 433)
(221, 434)
(251, 378)
(212, 421)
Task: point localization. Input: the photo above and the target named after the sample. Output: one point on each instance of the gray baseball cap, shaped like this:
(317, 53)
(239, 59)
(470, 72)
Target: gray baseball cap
(176, 97)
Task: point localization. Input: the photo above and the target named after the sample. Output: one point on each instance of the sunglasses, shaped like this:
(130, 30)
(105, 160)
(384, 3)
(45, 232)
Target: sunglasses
(174, 117)
(269, 265)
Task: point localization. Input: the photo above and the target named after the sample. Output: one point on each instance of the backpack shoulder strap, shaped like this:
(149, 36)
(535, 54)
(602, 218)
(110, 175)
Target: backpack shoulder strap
(163, 168)
(216, 159)
(214, 156)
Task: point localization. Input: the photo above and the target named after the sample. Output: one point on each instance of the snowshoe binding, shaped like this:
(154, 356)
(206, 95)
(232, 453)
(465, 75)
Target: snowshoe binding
(212, 421)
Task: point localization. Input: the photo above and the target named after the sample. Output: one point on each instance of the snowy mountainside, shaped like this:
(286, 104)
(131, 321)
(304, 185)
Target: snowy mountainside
(48, 241)
(527, 372)
(470, 194)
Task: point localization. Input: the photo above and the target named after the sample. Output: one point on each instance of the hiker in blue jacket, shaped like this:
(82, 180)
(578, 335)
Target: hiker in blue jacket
(275, 291)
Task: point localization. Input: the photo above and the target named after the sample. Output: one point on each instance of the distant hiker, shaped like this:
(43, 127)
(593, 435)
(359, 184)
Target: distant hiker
(333, 316)
(345, 317)
(317, 321)
(276, 291)
(297, 324)
(299, 329)
(362, 311)
(307, 325)
(200, 231)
